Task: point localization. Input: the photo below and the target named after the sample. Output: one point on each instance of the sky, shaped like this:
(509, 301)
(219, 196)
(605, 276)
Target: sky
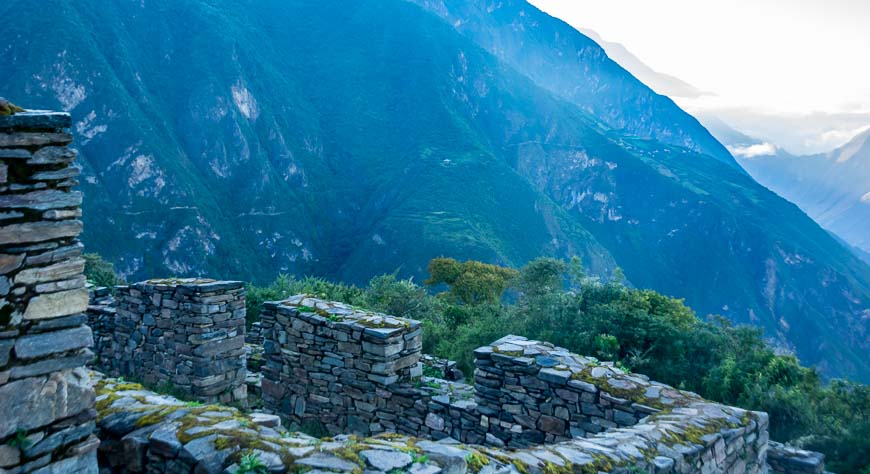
(794, 72)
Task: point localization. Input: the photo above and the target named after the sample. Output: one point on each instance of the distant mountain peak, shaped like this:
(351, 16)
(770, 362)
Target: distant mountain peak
(853, 148)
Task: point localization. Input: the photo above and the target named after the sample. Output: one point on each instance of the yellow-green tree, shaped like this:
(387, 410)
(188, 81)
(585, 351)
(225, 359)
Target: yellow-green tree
(470, 282)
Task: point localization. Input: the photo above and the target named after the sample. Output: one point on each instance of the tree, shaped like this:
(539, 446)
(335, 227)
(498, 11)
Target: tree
(542, 276)
(471, 282)
(99, 272)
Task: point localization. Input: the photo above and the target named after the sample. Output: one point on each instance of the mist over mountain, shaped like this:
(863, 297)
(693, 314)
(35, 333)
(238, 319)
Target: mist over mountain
(662, 83)
(833, 188)
(351, 139)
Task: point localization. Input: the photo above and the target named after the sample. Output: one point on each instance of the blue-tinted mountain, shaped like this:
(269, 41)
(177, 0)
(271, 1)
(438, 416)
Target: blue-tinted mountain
(833, 188)
(576, 68)
(242, 138)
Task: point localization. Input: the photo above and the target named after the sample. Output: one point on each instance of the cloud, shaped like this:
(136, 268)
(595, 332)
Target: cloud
(752, 151)
(798, 134)
(865, 198)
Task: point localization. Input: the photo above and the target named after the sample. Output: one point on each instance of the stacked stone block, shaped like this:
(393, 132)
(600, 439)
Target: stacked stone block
(784, 459)
(334, 364)
(535, 393)
(46, 400)
(101, 319)
(531, 393)
(560, 408)
(186, 335)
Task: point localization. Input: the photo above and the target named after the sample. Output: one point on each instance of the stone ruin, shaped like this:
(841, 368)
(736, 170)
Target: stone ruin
(533, 407)
(359, 372)
(46, 397)
(185, 334)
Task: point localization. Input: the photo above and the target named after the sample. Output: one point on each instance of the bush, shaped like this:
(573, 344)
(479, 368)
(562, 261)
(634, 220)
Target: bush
(99, 272)
(645, 331)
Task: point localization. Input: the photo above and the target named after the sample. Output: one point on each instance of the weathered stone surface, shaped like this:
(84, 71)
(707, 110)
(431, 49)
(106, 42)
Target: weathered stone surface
(85, 463)
(45, 396)
(35, 402)
(173, 331)
(789, 460)
(52, 305)
(51, 365)
(39, 231)
(57, 175)
(60, 438)
(43, 344)
(9, 263)
(9, 455)
(27, 139)
(6, 346)
(41, 200)
(36, 120)
(327, 461)
(385, 460)
(58, 271)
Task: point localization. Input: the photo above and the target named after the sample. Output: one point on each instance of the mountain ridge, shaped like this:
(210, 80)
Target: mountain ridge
(830, 187)
(395, 139)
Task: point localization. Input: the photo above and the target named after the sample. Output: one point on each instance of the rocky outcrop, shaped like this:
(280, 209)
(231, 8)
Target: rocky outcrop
(46, 398)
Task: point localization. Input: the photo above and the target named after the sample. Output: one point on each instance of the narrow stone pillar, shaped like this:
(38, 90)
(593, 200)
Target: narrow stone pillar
(46, 399)
(185, 335)
(329, 363)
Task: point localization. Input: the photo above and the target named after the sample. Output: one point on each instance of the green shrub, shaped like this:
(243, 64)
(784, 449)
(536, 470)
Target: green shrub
(641, 330)
(99, 272)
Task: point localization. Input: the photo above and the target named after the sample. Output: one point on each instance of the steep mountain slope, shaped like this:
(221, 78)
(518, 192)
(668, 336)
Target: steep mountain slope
(662, 83)
(832, 188)
(350, 139)
(562, 60)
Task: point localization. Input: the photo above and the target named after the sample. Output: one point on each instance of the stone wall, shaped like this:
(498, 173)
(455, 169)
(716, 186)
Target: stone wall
(789, 460)
(183, 334)
(46, 399)
(359, 372)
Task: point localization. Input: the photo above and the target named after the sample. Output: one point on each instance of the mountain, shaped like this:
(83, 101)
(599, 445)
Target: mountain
(662, 83)
(573, 66)
(242, 138)
(833, 188)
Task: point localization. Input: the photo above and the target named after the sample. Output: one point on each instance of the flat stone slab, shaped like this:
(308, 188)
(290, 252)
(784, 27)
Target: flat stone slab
(374, 324)
(35, 120)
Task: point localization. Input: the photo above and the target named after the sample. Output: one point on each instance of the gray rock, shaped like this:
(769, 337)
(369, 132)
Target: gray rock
(48, 366)
(40, 345)
(386, 460)
(9, 455)
(41, 200)
(35, 402)
(52, 155)
(36, 120)
(327, 461)
(5, 348)
(39, 231)
(60, 438)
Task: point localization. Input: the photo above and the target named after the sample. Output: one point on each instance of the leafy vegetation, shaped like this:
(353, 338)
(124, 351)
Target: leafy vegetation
(283, 161)
(99, 272)
(251, 464)
(641, 330)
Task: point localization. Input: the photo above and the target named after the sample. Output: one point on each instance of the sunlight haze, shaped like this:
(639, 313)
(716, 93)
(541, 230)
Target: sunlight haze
(775, 60)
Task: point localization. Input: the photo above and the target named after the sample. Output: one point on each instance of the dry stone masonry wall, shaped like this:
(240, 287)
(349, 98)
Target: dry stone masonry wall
(46, 398)
(355, 371)
(184, 334)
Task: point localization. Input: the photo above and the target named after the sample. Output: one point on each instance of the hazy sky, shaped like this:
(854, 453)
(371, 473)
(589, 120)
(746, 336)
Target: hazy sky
(780, 59)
